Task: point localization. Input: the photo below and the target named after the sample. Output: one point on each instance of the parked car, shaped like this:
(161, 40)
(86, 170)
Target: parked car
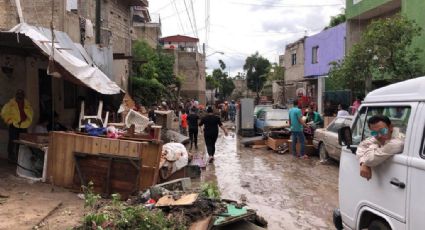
(272, 119)
(259, 108)
(326, 139)
(393, 197)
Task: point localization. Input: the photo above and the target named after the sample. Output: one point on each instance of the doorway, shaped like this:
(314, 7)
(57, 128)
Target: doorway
(45, 95)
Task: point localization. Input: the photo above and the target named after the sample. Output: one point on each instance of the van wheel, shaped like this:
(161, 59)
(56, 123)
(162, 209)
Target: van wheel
(378, 225)
(323, 154)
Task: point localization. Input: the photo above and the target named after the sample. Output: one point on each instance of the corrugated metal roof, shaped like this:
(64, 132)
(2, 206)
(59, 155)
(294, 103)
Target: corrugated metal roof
(71, 57)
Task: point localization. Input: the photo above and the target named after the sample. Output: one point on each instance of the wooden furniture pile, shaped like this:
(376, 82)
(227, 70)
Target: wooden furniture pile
(114, 165)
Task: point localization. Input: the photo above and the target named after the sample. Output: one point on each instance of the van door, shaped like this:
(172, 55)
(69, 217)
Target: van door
(378, 194)
(416, 208)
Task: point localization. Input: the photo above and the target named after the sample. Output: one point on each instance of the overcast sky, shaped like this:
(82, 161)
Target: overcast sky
(239, 28)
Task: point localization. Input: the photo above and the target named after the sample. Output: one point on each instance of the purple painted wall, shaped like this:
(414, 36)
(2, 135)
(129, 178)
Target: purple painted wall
(331, 43)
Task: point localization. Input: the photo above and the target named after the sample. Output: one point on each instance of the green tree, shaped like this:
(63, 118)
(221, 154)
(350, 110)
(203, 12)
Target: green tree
(227, 87)
(383, 53)
(211, 83)
(152, 74)
(336, 20)
(276, 72)
(257, 69)
(221, 81)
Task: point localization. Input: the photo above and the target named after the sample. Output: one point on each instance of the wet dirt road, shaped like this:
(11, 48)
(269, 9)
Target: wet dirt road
(289, 193)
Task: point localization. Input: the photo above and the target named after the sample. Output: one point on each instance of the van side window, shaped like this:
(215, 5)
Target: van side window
(399, 116)
(359, 123)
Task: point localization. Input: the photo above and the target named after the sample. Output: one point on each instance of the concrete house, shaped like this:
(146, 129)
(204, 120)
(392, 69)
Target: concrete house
(360, 13)
(146, 27)
(320, 50)
(189, 63)
(92, 52)
(294, 70)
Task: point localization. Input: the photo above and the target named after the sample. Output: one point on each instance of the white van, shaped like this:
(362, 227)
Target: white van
(395, 196)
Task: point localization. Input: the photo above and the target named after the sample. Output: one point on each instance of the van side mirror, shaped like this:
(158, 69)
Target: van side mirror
(344, 136)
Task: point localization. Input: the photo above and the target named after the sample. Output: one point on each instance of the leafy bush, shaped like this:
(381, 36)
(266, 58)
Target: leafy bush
(116, 214)
(210, 190)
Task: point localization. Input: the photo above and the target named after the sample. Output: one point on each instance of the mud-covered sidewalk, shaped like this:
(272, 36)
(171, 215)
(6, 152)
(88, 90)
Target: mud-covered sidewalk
(25, 204)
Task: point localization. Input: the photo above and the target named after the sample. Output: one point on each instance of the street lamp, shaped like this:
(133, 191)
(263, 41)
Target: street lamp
(215, 52)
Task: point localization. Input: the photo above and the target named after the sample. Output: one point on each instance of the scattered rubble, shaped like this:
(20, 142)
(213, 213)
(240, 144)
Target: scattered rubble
(160, 208)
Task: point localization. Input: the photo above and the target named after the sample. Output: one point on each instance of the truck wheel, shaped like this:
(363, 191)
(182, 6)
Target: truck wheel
(378, 225)
(323, 154)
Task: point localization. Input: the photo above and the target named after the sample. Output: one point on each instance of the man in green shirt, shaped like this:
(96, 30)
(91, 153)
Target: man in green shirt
(295, 119)
(315, 118)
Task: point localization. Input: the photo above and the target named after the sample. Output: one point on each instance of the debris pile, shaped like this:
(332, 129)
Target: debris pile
(160, 208)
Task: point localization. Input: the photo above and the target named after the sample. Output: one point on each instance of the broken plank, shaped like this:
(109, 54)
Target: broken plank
(259, 146)
(203, 224)
(184, 200)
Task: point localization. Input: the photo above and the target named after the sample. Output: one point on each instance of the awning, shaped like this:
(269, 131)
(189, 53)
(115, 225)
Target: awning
(71, 57)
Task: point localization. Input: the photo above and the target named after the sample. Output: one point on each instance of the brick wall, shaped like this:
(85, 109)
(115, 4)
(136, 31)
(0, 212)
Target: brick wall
(294, 72)
(34, 12)
(116, 17)
(191, 66)
(148, 32)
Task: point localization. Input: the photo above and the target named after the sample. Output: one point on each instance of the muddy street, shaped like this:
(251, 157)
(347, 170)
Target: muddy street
(290, 193)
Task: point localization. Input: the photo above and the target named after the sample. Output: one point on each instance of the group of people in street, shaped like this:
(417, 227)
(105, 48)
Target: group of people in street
(190, 122)
(228, 111)
(312, 121)
(372, 151)
(342, 109)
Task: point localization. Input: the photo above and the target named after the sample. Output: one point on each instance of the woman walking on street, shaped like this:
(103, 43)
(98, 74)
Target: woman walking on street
(211, 123)
(193, 119)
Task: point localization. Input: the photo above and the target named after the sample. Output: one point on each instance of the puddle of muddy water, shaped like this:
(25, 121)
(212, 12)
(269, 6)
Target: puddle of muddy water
(290, 193)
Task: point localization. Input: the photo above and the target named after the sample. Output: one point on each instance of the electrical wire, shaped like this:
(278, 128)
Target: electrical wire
(178, 14)
(161, 8)
(188, 15)
(284, 6)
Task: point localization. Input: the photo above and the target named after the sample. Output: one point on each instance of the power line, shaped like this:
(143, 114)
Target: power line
(268, 33)
(194, 23)
(171, 15)
(188, 15)
(284, 6)
(194, 18)
(178, 14)
(161, 8)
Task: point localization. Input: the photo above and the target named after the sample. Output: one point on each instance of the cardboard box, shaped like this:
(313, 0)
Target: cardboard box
(274, 143)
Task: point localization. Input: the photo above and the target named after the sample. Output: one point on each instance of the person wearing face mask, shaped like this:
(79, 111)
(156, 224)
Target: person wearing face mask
(383, 144)
(17, 114)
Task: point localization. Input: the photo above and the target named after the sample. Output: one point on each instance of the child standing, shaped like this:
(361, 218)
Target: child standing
(183, 125)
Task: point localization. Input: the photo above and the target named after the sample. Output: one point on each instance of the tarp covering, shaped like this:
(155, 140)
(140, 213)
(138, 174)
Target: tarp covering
(69, 56)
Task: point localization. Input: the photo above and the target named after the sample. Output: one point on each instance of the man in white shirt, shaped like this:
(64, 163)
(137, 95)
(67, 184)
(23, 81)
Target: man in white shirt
(380, 146)
(342, 111)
